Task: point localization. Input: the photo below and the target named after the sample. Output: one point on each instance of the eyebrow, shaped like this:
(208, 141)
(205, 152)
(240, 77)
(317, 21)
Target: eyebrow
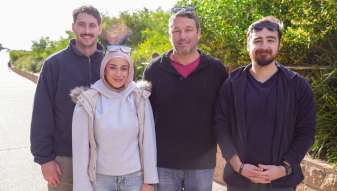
(268, 37)
(124, 65)
(273, 37)
(257, 38)
(187, 26)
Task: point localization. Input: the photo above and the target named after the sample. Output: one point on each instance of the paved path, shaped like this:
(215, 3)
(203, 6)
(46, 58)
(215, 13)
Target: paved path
(18, 172)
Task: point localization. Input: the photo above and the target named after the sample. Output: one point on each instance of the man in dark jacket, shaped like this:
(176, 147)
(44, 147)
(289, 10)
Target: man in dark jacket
(265, 117)
(77, 65)
(185, 83)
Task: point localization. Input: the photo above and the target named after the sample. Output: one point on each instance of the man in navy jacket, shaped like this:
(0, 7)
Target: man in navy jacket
(77, 65)
(185, 83)
(265, 117)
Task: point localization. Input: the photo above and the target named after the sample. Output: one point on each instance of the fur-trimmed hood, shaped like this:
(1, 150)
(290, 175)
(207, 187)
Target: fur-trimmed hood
(142, 86)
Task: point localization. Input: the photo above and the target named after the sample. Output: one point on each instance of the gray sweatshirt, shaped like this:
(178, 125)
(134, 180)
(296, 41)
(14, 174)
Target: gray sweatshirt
(116, 135)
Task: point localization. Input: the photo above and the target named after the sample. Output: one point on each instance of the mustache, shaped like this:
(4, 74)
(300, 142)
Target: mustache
(263, 51)
(182, 41)
(86, 34)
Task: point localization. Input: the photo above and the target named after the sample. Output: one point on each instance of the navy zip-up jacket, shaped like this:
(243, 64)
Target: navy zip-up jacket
(293, 133)
(183, 111)
(53, 108)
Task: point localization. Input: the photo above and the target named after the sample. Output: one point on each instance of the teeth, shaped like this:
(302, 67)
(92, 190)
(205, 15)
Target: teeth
(86, 36)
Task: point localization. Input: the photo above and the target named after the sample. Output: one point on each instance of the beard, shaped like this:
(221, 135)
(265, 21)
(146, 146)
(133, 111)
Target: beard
(264, 57)
(186, 50)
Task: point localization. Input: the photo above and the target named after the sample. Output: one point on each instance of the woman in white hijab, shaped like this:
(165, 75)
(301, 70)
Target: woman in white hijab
(113, 136)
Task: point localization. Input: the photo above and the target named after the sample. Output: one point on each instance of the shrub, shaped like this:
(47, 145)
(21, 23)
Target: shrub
(325, 91)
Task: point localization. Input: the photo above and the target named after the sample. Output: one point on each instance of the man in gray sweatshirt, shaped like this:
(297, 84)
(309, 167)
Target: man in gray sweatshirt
(76, 65)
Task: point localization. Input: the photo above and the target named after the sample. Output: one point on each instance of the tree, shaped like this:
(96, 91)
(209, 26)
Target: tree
(309, 25)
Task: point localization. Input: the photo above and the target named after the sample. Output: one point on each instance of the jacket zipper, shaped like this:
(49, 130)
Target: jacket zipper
(90, 75)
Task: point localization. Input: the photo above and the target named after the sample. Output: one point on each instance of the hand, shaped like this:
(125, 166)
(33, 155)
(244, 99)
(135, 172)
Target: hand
(51, 172)
(272, 172)
(253, 173)
(147, 187)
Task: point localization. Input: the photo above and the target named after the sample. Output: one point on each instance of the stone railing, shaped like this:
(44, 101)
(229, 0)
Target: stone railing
(30, 76)
(319, 176)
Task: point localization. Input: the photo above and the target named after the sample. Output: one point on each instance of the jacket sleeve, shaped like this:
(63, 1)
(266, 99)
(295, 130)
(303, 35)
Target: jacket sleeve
(305, 124)
(150, 149)
(43, 122)
(222, 126)
(80, 146)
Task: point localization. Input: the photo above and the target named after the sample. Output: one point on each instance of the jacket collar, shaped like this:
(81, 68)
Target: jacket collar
(242, 71)
(72, 47)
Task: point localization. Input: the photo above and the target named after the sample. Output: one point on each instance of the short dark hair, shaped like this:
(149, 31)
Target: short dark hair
(271, 23)
(188, 14)
(88, 9)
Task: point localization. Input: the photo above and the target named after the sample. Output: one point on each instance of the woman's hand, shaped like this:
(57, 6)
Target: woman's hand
(147, 187)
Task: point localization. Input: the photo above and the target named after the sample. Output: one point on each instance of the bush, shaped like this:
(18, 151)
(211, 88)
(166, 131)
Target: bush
(31, 61)
(148, 31)
(325, 91)
(307, 24)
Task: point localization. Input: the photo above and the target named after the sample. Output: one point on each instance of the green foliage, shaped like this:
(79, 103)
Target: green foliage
(158, 42)
(41, 49)
(148, 31)
(307, 24)
(16, 54)
(25, 63)
(325, 91)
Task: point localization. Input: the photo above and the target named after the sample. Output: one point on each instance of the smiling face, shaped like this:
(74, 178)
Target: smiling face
(86, 29)
(184, 35)
(263, 46)
(117, 72)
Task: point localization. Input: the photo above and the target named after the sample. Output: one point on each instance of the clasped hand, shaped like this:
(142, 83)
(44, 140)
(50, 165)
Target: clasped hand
(262, 174)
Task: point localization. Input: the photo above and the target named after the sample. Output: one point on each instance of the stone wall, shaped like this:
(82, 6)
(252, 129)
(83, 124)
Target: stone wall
(319, 176)
(28, 75)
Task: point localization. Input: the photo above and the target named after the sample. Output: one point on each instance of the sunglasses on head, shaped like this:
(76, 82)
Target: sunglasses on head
(119, 48)
(268, 25)
(177, 9)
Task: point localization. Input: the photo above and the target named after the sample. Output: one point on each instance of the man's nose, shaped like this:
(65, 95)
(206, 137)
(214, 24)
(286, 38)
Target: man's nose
(183, 35)
(86, 29)
(264, 44)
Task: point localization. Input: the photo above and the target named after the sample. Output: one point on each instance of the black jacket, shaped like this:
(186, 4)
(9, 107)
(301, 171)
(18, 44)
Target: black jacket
(293, 133)
(53, 108)
(183, 111)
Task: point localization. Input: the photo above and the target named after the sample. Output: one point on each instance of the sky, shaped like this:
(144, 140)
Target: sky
(24, 21)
